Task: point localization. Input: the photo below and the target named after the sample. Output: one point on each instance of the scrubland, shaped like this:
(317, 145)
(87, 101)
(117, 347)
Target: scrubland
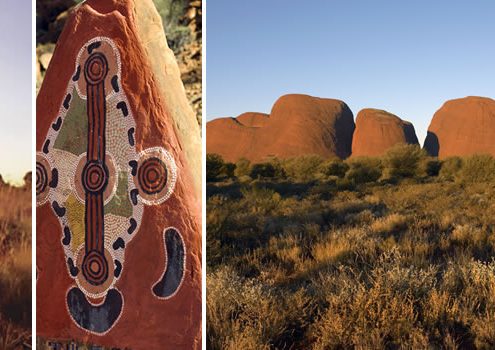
(396, 252)
(15, 266)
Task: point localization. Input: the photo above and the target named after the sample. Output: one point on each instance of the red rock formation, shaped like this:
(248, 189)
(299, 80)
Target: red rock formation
(253, 119)
(462, 127)
(377, 131)
(129, 274)
(297, 125)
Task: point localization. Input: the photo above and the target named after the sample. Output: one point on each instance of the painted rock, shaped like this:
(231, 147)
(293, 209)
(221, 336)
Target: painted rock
(117, 186)
(297, 125)
(462, 127)
(378, 130)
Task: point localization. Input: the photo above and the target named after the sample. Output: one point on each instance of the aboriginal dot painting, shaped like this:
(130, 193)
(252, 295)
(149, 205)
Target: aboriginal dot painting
(97, 184)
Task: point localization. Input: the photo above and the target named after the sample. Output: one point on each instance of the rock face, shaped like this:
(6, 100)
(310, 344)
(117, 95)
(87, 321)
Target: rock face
(297, 125)
(118, 177)
(378, 130)
(462, 127)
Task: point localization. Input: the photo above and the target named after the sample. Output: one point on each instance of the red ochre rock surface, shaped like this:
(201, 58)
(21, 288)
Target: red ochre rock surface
(461, 127)
(378, 130)
(297, 125)
(163, 118)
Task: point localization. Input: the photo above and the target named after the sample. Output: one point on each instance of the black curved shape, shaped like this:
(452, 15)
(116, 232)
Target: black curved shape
(134, 165)
(174, 270)
(67, 236)
(96, 319)
(115, 83)
(78, 73)
(74, 271)
(45, 146)
(123, 107)
(60, 211)
(132, 226)
(93, 46)
(130, 134)
(118, 268)
(119, 243)
(134, 193)
(54, 182)
(67, 100)
(57, 124)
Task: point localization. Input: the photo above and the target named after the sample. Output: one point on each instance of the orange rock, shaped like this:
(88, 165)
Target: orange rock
(297, 125)
(378, 130)
(463, 126)
(118, 186)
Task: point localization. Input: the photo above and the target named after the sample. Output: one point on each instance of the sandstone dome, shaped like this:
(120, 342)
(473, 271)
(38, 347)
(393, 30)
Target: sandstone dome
(297, 125)
(461, 127)
(378, 130)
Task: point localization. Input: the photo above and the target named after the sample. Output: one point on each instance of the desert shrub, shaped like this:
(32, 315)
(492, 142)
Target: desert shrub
(242, 167)
(477, 168)
(262, 170)
(363, 170)
(304, 168)
(228, 170)
(334, 167)
(214, 165)
(450, 168)
(403, 160)
(260, 200)
(431, 166)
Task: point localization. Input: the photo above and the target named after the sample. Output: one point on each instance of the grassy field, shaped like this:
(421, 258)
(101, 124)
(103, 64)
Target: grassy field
(390, 253)
(15, 267)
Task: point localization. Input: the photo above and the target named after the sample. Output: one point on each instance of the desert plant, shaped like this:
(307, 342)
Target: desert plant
(303, 168)
(242, 167)
(214, 165)
(363, 170)
(403, 160)
(334, 167)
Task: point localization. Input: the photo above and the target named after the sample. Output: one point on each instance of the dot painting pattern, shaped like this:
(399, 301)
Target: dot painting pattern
(97, 185)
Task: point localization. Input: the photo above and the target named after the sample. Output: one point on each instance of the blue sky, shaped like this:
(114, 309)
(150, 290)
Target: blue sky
(15, 89)
(407, 57)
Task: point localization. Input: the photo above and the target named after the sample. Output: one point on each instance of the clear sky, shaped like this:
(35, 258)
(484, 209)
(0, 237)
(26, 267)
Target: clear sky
(15, 89)
(407, 57)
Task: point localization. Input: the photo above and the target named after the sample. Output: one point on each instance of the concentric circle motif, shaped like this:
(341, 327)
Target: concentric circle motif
(110, 52)
(152, 175)
(95, 68)
(91, 178)
(43, 178)
(94, 177)
(155, 176)
(95, 268)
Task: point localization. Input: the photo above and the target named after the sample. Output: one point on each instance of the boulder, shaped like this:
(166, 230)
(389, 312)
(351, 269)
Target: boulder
(297, 125)
(378, 130)
(461, 127)
(118, 186)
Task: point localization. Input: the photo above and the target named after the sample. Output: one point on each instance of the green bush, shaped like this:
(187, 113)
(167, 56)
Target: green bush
(228, 170)
(431, 166)
(403, 160)
(304, 168)
(477, 168)
(334, 167)
(242, 167)
(262, 170)
(214, 165)
(363, 170)
(450, 168)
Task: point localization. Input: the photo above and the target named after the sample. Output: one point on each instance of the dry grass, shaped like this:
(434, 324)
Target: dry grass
(15, 267)
(408, 265)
